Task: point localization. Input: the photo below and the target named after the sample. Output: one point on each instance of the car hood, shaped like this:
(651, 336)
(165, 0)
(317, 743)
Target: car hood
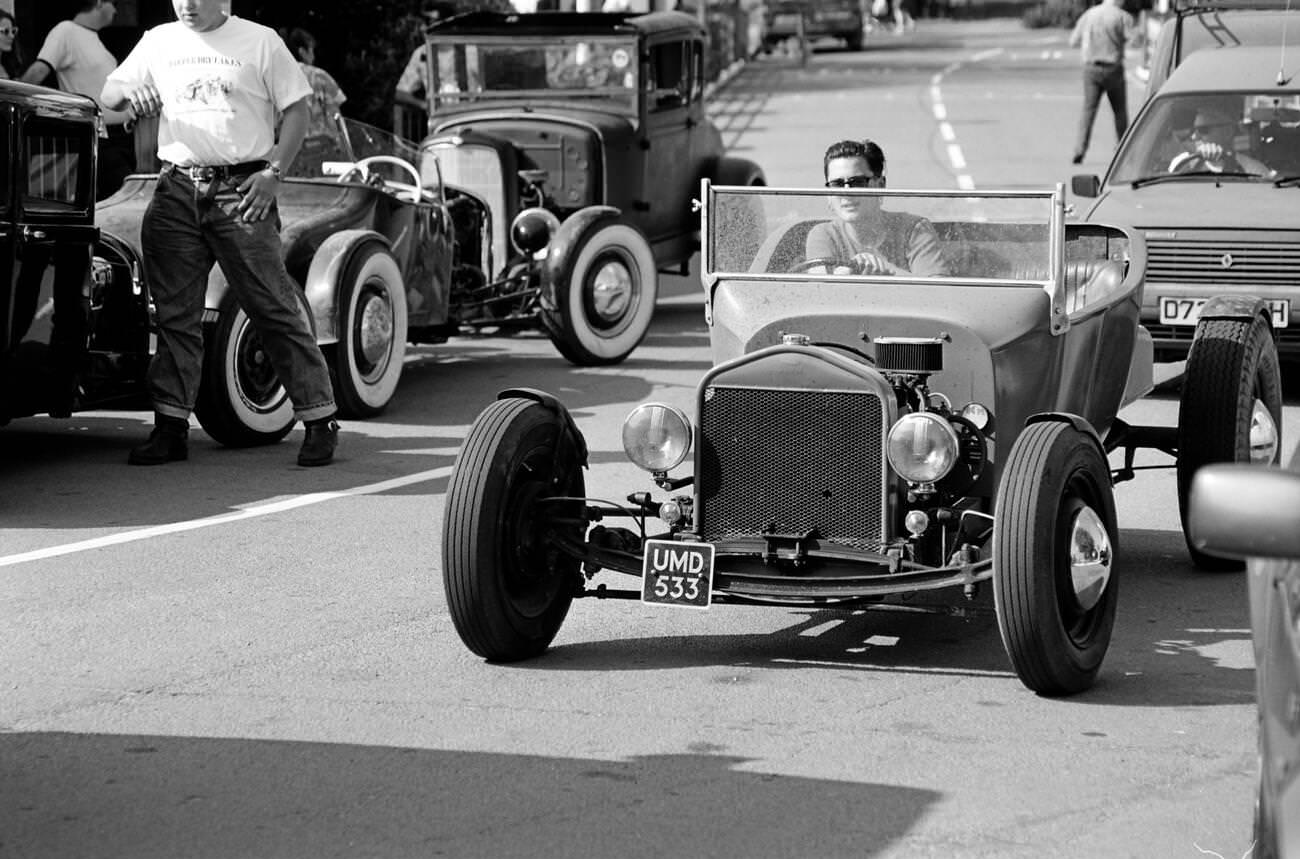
(1200, 204)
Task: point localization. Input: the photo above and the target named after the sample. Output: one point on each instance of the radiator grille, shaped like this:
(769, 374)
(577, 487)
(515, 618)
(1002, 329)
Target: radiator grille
(1204, 261)
(791, 461)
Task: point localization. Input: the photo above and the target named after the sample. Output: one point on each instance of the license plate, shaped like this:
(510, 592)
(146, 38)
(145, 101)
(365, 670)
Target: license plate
(1185, 311)
(678, 574)
(785, 22)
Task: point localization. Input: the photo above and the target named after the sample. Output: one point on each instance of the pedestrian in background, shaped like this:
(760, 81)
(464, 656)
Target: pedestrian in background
(218, 83)
(1103, 32)
(11, 54)
(327, 97)
(73, 52)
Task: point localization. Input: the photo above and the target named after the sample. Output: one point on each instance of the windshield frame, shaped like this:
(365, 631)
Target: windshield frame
(625, 100)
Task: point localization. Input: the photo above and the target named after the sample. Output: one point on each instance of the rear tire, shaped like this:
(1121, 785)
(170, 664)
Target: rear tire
(1232, 390)
(508, 586)
(241, 402)
(1054, 569)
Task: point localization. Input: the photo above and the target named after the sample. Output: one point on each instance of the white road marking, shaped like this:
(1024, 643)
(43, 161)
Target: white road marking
(222, 519)
(814, 631)
(955, 156)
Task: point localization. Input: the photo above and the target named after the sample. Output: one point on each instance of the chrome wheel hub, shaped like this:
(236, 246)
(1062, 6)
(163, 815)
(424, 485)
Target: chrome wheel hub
(1090, 558)
(611, 292)
(1263, 434)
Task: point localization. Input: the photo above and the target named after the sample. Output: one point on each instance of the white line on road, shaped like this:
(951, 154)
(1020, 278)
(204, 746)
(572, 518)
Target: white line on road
(222, 519)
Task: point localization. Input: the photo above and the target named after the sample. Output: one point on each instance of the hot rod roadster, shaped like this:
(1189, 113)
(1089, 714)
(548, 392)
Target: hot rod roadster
(864, 437)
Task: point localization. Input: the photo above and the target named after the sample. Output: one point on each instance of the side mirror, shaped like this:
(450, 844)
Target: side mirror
(1085, 185)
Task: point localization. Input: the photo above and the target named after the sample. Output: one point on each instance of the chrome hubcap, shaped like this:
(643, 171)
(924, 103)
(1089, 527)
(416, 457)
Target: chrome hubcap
(375, 332)
(1263, 434)
(1090, 557)
(611, 292)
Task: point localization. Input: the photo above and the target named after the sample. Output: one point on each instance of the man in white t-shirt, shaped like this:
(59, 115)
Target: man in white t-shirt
(73, 52)
(217, 84)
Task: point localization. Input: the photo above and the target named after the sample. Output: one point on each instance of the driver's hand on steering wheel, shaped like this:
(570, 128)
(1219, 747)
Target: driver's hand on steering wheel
(870, 262)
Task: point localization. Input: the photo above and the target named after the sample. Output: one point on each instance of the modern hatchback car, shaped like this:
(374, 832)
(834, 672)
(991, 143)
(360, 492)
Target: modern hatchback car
(1195, 25)
(1209, 173)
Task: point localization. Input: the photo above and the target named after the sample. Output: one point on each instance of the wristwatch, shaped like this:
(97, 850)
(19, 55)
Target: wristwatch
(274, 170)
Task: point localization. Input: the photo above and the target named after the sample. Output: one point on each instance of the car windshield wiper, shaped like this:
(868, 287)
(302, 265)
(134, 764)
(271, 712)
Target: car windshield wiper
(1287, 181)
(1195, 174)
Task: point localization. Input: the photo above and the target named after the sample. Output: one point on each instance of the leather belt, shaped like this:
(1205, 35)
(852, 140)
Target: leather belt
(217, 172)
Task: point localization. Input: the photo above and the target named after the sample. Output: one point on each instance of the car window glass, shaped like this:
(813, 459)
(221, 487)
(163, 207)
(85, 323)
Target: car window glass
(998, 237)
(59, 166)
(669, 79)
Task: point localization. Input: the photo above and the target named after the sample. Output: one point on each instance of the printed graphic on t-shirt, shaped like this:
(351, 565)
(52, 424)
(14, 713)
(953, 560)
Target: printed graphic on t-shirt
(207, 83)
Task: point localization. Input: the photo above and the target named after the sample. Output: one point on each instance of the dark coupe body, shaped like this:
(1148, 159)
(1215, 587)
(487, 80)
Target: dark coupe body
(572, 144)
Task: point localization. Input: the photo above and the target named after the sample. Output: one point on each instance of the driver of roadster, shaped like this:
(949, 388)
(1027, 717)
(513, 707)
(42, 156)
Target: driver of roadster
(864, 238)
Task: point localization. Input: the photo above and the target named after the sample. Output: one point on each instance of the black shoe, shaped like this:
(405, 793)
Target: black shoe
(1078, 159)
(169, 442)
(319, 443)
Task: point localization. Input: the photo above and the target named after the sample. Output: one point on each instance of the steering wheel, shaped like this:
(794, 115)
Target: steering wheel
(1188, 162)
(828, 263)
(415, 191)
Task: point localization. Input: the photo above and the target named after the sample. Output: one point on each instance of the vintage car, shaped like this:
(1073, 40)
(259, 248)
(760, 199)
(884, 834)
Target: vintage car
(840, 19)
(580, 139)
(1253, 512)
(1195, 25)
(47, 231)
(373, 255)
(1211, 228)
(861, 438)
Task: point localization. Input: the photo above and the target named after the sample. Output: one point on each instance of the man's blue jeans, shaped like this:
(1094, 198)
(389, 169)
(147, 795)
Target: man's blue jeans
(189, 226)
(1098, 79)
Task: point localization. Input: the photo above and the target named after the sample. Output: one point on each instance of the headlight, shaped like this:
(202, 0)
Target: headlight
(532, 230)
(922, 447)
(657, 437)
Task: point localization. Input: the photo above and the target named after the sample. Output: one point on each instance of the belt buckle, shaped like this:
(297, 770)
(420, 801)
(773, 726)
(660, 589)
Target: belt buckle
(199, 173)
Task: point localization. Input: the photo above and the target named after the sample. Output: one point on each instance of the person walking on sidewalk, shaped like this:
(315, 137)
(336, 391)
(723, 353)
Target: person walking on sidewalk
(1103, 32)
(217, 83)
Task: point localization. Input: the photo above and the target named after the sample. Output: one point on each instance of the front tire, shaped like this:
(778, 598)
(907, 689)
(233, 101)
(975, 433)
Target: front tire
(508, 586)
(366, 362)
(1054, 542)
(241, 402)
(608, 300)
(1230, 409)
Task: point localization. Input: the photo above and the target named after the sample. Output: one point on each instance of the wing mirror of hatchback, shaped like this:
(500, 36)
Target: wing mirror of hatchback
(1085, 185)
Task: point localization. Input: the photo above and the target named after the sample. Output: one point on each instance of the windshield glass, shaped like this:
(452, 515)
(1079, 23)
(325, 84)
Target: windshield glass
(866, 233)
(348, 140)
(1249, 136)
(567, 68)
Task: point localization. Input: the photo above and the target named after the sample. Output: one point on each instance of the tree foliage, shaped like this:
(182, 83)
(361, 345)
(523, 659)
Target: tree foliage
(364, 44)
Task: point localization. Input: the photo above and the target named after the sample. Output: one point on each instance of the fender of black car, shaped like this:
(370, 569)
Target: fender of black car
(553, 405)
(566, 242)
(735, 171)
(327, 267)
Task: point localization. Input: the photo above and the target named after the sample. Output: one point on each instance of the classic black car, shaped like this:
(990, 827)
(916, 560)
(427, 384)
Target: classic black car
(370, 246)
(47, 231)
(862, 438)
(571, 146)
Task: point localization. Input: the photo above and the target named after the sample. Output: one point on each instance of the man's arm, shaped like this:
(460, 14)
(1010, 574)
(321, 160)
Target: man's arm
(1076, 35)
(37, 72)
(293, 128)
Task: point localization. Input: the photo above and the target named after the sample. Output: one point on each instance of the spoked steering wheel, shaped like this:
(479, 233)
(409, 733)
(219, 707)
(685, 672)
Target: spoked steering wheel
(414, 191)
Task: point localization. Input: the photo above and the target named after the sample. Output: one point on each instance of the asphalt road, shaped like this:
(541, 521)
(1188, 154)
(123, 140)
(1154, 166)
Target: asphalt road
(237, 657)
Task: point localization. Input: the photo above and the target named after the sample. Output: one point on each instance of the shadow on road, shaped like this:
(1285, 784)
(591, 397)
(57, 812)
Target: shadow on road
(1181, 637)
(74, 795)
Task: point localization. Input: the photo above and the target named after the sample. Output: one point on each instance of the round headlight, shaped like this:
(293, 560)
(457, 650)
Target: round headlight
(532, 230)
(657, 437)
(922, 447)
(977, 414)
